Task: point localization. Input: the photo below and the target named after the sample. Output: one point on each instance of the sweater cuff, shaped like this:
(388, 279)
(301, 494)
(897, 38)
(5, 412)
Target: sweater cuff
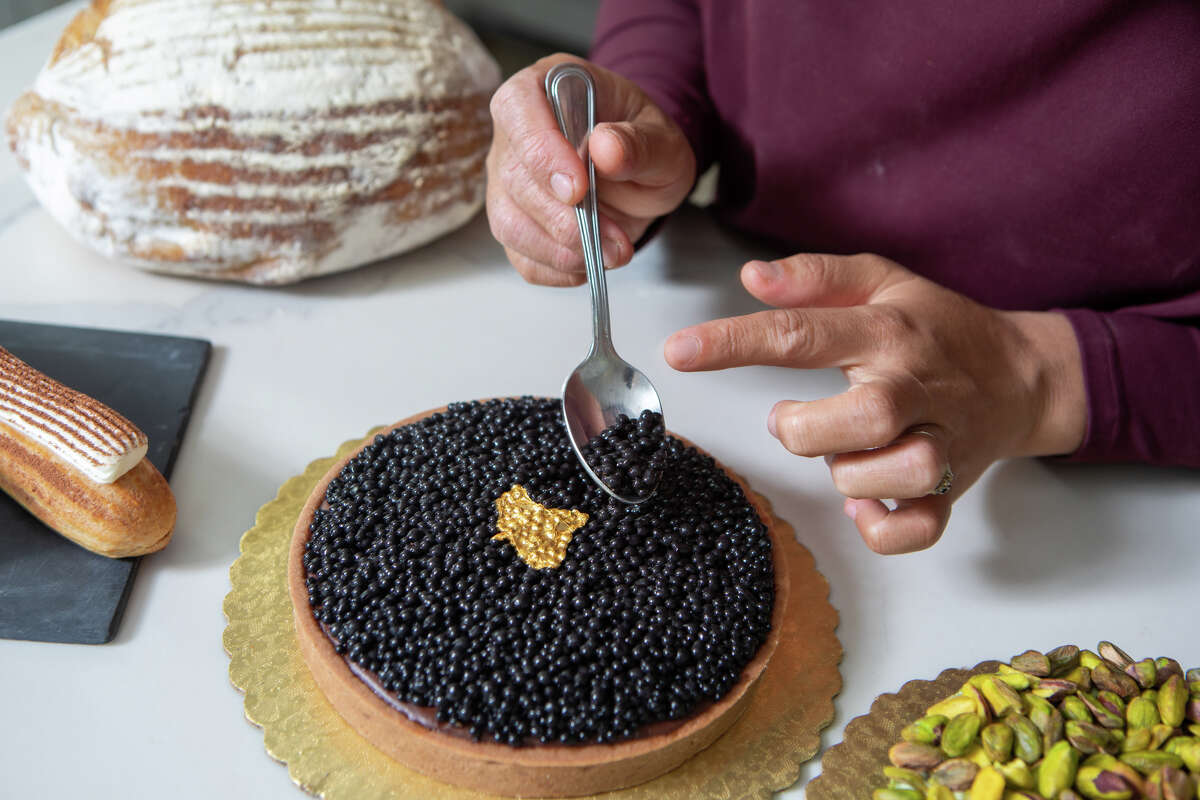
(1142, 391)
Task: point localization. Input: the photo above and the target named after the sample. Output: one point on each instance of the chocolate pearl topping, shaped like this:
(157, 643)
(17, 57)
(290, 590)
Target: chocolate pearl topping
(654, 611)
(630, 454)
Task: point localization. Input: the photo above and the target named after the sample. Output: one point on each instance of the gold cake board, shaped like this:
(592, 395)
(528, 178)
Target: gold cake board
(760, 755)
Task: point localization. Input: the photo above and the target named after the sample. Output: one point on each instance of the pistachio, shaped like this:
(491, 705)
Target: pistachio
(956, 773)
(1057, 771)
(1081, 675)
(1159, 734)
(1112, 701)
(997, 741)
(1136, 739)
(1027, 739)
(1141, 713)
(1105, 761)
(1032, 662)
(1089, 659)
(1001, 697)
(1194, 729)
(896, 794)
(1172, 701)
(1192, 712)
(928, 729)
(1098, 783)
(1166, 668)
(1150, 761)
(988, 785)
(1192, 675)
(1087, 738)
(1063, 659)
(1144, 672)
(960, 734)
(1110, 652)
(1014, 678)
(1055, 689)
(1103, 715)
(1017, 773)
(1047, 719)
(954, 705)
(935, 791)
(1068, 794)
(1105, 677)
(915, 756)
(1074, 708)
(1172, 784)
(1021, 794)
(1188, 749)
(900, 778)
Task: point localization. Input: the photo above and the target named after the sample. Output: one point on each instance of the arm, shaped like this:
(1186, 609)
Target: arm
(1141, 369)
(659, 45)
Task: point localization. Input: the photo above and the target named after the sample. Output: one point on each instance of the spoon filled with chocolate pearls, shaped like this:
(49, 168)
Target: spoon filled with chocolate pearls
(612, 413)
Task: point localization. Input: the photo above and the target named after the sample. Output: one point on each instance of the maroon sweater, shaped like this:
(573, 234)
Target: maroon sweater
(1029, 154)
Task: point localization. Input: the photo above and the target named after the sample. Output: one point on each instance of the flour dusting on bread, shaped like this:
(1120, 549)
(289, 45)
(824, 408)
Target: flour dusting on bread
(264, 142)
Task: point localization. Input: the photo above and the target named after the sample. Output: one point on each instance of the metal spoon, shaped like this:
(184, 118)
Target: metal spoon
(604, 385)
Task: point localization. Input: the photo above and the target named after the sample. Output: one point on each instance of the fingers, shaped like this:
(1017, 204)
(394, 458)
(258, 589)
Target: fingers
(815, 279)
(865, 416)
(790, 337)
(645, 168)
(525, 125)
(552, 251)
(912, 466)
(913, 525)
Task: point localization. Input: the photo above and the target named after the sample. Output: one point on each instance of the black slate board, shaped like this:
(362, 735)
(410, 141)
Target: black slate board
(52, 590)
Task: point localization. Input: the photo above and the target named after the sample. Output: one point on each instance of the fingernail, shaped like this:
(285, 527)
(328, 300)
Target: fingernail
(771, 422)
(767, 270)
(612, 252)
(562, 186)
(850, 508)
(682, 350)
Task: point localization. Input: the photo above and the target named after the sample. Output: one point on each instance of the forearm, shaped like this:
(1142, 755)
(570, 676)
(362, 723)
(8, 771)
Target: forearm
(658, 44)
(1142, 379)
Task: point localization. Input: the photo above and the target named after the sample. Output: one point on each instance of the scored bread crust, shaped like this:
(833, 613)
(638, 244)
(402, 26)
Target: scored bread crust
(550, 770)
(246, 141)
(132, 516)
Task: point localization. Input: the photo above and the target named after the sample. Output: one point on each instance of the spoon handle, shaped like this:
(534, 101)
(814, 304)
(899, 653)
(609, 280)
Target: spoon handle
(572, 95)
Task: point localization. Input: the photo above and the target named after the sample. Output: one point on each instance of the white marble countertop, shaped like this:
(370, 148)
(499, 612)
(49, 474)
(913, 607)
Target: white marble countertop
(1037, 554)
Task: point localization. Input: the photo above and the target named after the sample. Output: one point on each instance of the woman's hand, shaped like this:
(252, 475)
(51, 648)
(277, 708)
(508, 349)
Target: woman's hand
(940, 386)
(644, 169)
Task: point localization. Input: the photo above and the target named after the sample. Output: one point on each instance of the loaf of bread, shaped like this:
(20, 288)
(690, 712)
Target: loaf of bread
(264, 142)
(79, 466)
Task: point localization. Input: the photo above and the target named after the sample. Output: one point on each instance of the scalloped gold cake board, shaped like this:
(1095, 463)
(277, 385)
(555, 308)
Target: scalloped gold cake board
(854, 768)
(759, 755)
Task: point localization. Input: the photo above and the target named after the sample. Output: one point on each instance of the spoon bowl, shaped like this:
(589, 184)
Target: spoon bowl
(604, 386)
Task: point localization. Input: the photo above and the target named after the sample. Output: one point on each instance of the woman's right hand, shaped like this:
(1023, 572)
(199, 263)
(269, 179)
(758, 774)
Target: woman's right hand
(644, 169)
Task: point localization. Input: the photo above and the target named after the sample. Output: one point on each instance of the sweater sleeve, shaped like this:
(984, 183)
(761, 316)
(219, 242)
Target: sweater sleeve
(659, 45)
(1141, 369)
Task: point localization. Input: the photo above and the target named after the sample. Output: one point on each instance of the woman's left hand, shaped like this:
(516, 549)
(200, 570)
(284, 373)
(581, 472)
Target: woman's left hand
(940, 386)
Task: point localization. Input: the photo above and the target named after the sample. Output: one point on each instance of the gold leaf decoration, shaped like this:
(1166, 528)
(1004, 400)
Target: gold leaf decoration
(539, 534)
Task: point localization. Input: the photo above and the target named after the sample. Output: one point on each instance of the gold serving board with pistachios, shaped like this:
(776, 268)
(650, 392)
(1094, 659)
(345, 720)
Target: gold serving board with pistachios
(1060, 725)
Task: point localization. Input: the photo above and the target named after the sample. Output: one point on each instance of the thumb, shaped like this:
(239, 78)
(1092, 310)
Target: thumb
(647, 152)
(816, 279)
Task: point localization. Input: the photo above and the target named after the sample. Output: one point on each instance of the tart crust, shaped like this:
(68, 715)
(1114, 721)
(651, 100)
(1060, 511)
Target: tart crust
(549, 770)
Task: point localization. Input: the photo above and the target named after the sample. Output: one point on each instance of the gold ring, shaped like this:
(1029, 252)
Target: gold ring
(945, 483)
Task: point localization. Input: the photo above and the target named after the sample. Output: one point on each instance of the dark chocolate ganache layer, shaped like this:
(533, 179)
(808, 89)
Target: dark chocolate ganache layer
(651, 615)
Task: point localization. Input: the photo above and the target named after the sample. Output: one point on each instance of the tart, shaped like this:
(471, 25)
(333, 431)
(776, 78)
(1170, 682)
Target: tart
(476, 608)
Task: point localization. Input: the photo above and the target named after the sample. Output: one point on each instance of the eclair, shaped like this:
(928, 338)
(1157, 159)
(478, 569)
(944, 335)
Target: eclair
(79, 466)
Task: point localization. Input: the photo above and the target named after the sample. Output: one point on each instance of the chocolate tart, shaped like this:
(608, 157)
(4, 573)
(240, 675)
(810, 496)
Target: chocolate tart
(411, 735)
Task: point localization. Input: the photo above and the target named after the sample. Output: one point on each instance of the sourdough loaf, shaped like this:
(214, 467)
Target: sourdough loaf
(260, 142)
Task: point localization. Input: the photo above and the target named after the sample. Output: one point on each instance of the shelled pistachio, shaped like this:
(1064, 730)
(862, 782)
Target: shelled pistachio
(1061, 725)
